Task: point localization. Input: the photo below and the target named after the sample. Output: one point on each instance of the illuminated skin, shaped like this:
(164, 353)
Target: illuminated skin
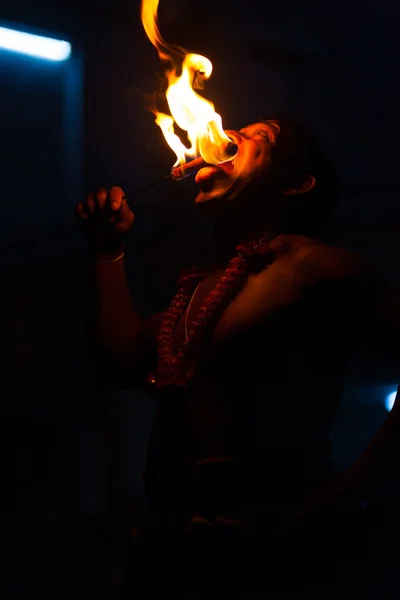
(250, 164)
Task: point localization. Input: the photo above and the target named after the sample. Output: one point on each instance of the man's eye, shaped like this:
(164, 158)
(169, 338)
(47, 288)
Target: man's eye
(264, 134)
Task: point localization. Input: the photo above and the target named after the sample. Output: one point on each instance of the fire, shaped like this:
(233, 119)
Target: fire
(190, 111)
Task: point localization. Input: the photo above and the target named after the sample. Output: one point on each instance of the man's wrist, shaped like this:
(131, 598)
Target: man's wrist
(109, 260)
(108, 255)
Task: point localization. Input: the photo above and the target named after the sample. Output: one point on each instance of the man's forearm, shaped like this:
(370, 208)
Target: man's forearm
(117, 323)
(370, 476)
(377, 468)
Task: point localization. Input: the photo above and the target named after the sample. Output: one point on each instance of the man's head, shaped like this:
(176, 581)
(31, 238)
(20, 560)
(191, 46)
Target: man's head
(278, 173)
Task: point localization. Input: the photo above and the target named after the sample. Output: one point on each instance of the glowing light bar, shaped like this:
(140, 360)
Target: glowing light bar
(389, 401)
(34, 45)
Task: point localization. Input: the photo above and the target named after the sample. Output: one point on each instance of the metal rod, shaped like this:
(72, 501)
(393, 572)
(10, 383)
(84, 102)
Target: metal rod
(149, 185)
(146, 187)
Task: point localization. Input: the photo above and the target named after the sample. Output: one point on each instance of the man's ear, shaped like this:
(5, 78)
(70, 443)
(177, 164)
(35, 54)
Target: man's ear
(308, 184)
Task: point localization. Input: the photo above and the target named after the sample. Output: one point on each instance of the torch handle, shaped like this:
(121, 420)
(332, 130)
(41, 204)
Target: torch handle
(188, 168)
(228, 150)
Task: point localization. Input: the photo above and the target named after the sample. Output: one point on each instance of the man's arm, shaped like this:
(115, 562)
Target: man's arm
(378, 466)
(127, 345)
(375, 311)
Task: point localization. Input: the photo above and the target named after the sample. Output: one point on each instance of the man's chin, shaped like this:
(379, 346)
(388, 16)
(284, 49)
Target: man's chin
(214, 193)
(202, 197)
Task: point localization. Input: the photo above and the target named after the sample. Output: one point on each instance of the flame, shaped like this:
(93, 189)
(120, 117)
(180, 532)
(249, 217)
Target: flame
(190, 111)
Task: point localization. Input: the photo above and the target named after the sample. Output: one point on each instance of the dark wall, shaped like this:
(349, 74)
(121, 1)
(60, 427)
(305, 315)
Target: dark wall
(32, 141)
(41, 104)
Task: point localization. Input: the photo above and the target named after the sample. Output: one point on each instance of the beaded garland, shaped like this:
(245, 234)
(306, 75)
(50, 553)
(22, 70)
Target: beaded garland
(173, 365)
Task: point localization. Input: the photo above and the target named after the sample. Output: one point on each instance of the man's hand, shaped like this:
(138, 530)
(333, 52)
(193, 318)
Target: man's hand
(105, 217)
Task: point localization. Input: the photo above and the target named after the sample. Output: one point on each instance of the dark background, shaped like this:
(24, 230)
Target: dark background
(72, 450)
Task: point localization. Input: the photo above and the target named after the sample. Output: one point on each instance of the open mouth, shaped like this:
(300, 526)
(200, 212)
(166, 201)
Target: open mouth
(206, 176)
(227, 166)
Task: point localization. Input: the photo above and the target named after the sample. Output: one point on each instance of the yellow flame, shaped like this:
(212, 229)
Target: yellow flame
(149, 20)
(190, 111)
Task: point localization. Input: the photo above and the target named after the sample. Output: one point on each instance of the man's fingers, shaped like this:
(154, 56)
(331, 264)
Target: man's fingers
(101, 198)
(125, 218)
(80, 211)
(116, 195)
(90, 203)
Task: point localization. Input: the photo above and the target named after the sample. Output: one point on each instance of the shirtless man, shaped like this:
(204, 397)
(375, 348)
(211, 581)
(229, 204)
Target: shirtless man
(252, 354)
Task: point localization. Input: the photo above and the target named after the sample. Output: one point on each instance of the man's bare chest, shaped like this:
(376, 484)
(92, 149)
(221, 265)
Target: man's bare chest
(279, 290)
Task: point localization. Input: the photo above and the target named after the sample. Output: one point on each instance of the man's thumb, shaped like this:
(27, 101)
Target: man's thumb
(126, 216)
(115, 197)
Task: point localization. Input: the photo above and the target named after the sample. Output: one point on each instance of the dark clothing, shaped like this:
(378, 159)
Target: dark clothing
(232, 456)
(223, 561)
(250, 436)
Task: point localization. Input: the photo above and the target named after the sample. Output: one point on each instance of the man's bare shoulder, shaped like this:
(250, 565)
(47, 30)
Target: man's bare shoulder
(320, 261)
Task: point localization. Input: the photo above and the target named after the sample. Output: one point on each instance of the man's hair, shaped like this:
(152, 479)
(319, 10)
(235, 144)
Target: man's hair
(296, 155)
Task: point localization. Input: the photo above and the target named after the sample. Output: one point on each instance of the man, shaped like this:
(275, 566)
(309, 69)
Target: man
(252, 354)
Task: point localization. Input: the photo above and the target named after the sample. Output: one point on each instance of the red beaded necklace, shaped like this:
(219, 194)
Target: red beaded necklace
(173, 365)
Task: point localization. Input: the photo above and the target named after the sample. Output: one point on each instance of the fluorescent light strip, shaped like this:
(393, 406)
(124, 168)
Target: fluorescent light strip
(34, 45)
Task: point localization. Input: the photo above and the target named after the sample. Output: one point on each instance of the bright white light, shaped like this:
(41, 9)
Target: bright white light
(35, 45)
(389, 402)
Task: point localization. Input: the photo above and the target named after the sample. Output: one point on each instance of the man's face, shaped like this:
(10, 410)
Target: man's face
(250, 165)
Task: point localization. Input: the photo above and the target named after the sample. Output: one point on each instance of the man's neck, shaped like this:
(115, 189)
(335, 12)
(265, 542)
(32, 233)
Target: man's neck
(235, 224)
(230, 235)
